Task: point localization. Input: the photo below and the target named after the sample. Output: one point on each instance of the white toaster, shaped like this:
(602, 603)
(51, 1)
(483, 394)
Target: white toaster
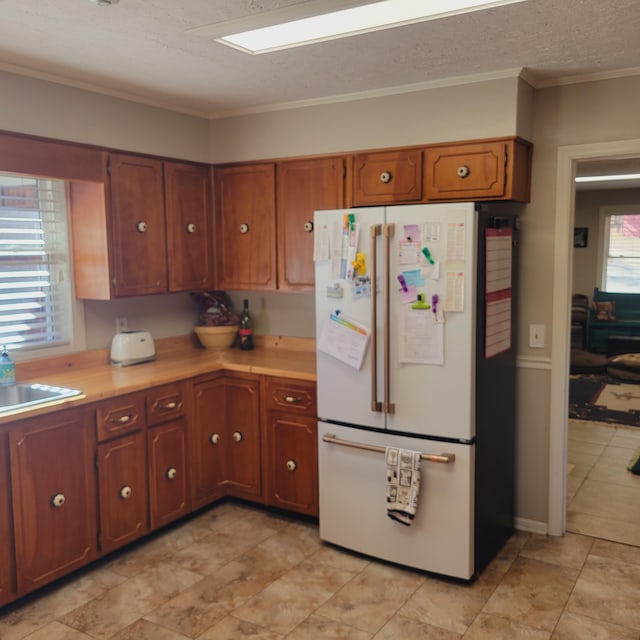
(132, 347)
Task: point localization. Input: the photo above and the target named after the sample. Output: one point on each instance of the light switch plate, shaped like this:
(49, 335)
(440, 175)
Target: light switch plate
(536, 336)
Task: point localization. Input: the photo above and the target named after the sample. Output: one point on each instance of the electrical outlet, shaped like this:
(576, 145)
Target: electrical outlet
(121, 325)
(536, 336)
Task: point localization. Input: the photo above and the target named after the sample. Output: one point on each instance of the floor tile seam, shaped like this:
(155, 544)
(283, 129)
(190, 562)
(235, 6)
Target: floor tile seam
(629, 484)
(506, 618)
(600, 619)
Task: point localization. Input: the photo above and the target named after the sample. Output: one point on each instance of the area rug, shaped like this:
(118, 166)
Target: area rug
(604, 399)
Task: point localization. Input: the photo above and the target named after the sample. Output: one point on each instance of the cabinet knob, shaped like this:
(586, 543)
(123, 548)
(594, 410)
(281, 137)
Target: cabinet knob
(190, 228)
(291, 399)
(244, 228)
(57, 500)
(167, 406)
(141, 226)
(214, 438)
(120, 420)
(386, 177)
(171, 473)
(237, 436)
(125, 492)
(463, 171)
(292, 465)
(308, 226)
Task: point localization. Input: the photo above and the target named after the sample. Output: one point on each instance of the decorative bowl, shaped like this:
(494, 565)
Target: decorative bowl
(216, 337)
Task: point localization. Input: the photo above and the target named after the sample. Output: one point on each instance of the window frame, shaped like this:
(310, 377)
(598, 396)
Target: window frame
(74, 318)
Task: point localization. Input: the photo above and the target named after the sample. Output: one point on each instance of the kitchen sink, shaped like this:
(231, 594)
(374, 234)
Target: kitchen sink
(18, 397)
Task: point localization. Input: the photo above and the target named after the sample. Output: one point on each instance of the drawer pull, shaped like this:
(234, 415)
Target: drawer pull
(126, 492)
(463, 171)
(237, 436)
(141, 226)
(171, 473)
(190, 228)
(58, 500)
(214, 438)
(308, 226)
(292, 465)
(244, 228)
(120, 420)
(291, 399)
(385, 177)
(168, 406)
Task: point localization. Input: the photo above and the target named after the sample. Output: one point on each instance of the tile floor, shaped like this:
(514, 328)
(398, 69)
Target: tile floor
(603, 498)
(237, 571)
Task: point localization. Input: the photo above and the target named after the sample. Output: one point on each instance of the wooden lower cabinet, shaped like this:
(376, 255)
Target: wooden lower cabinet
(122, 482)
(7, 564)
(54, 495)
(168, 477)
(225, 447)
(290, 456)
(292, 463)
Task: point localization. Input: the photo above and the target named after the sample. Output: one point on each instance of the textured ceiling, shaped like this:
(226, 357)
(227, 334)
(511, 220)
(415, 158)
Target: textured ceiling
(141, 49)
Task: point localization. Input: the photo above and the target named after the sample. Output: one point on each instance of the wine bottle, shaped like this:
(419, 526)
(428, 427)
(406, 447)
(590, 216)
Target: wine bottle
(245, 332)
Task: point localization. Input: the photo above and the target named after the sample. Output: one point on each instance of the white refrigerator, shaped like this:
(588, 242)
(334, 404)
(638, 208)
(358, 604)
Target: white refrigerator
(415, 339)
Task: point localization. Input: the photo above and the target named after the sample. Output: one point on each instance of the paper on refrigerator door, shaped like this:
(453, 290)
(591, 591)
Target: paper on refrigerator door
(344, 340)
(420, 339)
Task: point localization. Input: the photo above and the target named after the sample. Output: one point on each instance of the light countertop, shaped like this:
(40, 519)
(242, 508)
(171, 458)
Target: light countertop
(177, 359)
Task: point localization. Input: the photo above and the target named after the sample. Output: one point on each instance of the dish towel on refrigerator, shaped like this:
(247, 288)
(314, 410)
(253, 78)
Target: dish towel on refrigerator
(403, 483)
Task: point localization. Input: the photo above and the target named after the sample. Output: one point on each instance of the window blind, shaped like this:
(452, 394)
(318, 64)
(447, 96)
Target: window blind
(34, 282)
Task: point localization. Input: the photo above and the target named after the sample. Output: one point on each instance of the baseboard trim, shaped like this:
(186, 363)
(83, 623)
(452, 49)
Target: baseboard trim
(531, 526)
(533, 362)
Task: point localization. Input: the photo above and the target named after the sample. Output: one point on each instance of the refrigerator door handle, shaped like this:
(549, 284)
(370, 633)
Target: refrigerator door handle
(375, 230)
(389, 230)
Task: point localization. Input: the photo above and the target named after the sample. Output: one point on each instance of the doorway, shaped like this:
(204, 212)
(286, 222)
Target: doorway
(568, 159)
(601, 439)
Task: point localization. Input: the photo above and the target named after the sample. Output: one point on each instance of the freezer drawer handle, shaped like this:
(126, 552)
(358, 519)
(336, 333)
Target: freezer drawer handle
(446, 458)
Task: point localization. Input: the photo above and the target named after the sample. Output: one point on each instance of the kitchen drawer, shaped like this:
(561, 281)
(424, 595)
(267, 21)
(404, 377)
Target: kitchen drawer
(120, 415)
(288, 395)
(165, 403)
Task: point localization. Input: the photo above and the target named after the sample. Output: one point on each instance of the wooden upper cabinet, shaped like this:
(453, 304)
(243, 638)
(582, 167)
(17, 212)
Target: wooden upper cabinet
(491, 170)
(138, 234)
(387, 177)
(188, 215)
(245, 227)
(302, 187)
(146, 229)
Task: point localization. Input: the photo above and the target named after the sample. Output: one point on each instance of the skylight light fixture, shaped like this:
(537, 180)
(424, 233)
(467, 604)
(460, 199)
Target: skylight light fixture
(622, 176)
(374, 16)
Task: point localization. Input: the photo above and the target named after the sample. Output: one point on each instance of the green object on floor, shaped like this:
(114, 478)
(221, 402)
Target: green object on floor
(634, 463)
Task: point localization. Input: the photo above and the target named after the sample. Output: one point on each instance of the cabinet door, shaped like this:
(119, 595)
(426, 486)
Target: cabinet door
(138, 237)
(292, 464)
(189, 235)
(243, 437)
(7, 587)
(302, 187)
(387, 177)
(168, 482)
(225, 448)
(245, 227)
(54, 489)
(466, 171)
(122, 482)
(206, 444)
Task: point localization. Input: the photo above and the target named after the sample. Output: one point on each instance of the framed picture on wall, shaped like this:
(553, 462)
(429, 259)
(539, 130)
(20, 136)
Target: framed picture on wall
(580, 237)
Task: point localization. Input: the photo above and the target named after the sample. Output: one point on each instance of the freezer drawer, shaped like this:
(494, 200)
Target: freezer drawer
(353, 504)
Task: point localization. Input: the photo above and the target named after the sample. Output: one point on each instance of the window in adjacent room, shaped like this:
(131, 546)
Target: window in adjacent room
(621, 250)
(35, 286)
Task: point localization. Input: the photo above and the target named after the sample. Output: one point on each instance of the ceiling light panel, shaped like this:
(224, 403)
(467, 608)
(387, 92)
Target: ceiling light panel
(348, 22)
